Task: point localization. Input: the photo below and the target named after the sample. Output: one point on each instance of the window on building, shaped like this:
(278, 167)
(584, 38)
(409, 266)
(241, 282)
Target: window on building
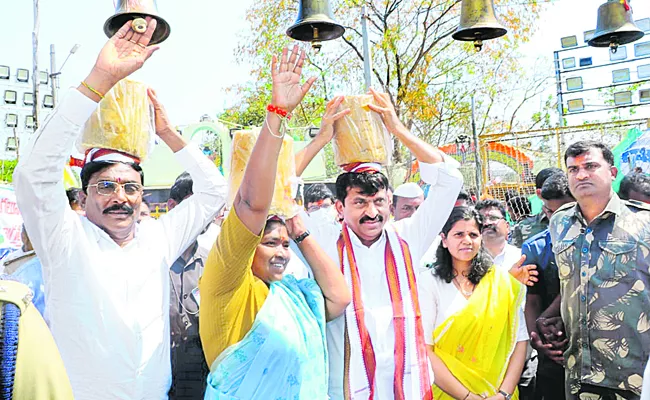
(10, 96)
(22, 75)
(11, 120)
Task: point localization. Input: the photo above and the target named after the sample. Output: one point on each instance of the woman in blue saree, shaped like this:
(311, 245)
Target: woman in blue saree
(263, 333)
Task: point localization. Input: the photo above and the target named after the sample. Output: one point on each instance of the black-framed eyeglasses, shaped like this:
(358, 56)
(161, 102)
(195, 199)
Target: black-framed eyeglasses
(492, 218)
(107, 188)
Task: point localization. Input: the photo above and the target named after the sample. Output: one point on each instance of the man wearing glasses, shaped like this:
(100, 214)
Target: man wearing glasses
(495, 233)
(107, 277)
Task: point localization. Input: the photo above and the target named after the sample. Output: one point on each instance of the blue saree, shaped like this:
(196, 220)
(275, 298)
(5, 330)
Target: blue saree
(284, 355)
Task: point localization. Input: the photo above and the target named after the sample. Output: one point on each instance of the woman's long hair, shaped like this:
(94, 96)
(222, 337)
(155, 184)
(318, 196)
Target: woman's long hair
(480, 263)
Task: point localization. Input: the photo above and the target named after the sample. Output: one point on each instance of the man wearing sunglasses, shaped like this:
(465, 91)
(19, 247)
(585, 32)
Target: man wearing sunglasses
(107, 277)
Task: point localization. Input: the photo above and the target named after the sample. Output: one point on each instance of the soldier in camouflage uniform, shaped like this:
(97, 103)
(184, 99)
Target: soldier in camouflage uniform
(534, 224)
(602, 251)
(527, 228)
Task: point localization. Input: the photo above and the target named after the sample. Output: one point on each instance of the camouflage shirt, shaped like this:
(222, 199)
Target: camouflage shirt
(527, 228)
(604, 283)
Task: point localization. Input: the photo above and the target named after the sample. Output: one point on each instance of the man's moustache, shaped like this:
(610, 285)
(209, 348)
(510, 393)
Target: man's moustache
(366, 219)
(119, 207)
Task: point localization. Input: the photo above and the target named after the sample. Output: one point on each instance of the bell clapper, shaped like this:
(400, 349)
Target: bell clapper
(139, 25)
(478, 45)
(316, 44)
(613, 47)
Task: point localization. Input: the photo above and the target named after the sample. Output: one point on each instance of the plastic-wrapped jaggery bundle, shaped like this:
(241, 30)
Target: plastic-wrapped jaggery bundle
(123, 121)
(242, 147)
(360, 136)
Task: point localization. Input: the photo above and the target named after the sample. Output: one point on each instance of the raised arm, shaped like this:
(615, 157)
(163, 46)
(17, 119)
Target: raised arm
(184, 223)
(324, 136)
(38, 179)
(326, 272)
(253, 200)
(423, 151)
(436, 169)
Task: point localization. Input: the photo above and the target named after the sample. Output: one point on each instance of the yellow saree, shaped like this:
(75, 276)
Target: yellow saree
(476, 342)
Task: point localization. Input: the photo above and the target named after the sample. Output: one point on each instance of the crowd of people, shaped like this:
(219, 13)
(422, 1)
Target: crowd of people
(367, 293)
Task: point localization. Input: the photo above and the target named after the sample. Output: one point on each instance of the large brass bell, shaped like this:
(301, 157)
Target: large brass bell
(315, 24)
(478, 22)
(615, 26)
(136, 10)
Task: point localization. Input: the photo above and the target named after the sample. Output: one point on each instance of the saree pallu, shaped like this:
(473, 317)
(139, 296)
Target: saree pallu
(284, 355)
(476, 342)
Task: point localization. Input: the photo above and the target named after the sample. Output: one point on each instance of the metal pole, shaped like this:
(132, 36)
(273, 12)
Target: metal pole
(558, 82)
(477, 157)
(53, 75)
(17, 145)
(35, 78)
(366, 48)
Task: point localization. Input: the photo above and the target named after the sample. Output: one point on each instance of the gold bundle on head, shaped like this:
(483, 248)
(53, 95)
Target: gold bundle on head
(123, 121)
(360, 136)
(242, 148)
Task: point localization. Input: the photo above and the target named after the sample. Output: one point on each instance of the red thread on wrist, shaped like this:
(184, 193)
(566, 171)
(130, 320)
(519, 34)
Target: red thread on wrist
(279, 111)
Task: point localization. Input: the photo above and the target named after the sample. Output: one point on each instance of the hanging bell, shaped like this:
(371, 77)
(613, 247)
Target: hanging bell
(478, 22)
(315, 24)
(615, 26)
(136, 11)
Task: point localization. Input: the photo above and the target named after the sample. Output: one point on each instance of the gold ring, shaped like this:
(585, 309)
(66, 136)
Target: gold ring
(141, 45)
(133, 41)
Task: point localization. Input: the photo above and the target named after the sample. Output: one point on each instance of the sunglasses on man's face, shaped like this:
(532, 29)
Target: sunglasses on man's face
(107, 188)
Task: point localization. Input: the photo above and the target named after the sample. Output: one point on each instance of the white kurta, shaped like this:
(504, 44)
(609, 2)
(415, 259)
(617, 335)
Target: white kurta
(508, 257)
(108, 306)
(419, 232)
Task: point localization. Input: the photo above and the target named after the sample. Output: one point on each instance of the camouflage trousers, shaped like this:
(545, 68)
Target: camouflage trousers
(590, 392)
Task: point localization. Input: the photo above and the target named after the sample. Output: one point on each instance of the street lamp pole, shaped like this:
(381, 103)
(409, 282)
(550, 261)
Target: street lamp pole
(35, 78)
(366, 48)
(55, 95)
(54, 74)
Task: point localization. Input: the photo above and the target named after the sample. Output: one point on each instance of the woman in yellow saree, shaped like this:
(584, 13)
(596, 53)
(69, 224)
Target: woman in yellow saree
(472, 315)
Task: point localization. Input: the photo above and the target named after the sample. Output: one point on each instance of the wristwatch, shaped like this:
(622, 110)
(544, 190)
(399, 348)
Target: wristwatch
(506, 395)
(301, 237)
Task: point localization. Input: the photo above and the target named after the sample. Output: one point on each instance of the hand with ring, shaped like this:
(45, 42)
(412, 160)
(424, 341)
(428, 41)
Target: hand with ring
(123, 54)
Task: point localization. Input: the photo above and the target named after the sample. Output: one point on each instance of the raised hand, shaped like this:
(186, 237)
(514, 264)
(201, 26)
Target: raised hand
(164, 129)
(326, 132)
(525, 274)
(384, 107)
(287, 91)
(162, 120)
(123, 54)
(295, 226)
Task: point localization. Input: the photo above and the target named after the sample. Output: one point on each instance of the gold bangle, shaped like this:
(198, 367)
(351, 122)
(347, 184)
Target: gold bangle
(87, 86)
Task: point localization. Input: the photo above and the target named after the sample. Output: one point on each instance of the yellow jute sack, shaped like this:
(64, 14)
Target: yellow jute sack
(123, 121)
(360, 136)
(285, 179)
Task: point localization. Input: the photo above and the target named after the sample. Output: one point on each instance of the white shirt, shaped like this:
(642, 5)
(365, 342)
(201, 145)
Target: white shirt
(108, 306)
(645, 391)
(419, 232)
(439, 300)
(430, 256)
(508, 257)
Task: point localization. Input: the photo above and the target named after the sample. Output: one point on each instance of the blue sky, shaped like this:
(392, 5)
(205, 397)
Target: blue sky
(197, 62)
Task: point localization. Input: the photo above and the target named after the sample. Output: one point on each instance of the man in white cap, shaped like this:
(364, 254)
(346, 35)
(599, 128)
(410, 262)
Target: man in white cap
(406, 200)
